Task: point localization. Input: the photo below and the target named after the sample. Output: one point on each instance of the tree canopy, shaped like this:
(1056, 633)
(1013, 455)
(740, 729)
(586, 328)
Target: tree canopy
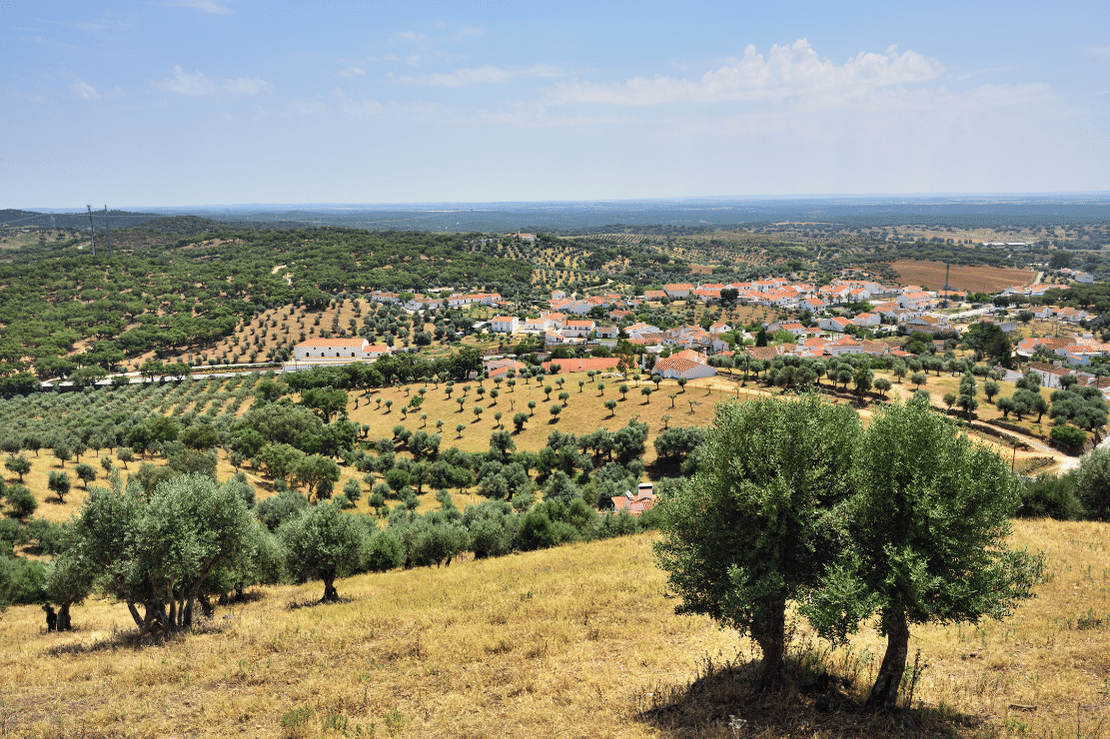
(753, 528)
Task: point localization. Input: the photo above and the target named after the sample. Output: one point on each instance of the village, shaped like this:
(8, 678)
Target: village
(844, 317)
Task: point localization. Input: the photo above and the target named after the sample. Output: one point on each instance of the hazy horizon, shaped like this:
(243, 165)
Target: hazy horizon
(891, 198)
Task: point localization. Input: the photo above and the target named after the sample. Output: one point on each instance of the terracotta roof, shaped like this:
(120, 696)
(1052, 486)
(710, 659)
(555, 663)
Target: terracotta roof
(583, 364)
(314, 343)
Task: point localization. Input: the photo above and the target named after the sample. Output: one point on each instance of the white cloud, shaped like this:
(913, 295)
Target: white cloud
(199, 84)
(310, 107)
(484, 75)
(207, 6)
(786, 71)
(411, 36)
(1101, 53)
(362, 107)
(188, 84)
(84, 90)
(248, 86)
(352, 72)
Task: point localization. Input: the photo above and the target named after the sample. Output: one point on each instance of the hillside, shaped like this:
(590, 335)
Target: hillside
(575, 641)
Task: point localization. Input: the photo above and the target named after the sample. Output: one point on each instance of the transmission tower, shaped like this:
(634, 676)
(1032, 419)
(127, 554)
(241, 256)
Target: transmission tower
(109, 230)
(92, 236)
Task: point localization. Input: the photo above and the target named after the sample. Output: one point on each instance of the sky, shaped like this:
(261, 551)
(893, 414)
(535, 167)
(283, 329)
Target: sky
(152, 103)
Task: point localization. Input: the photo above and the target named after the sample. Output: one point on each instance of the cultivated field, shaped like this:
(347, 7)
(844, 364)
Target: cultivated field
(930, 275)
(577, 641)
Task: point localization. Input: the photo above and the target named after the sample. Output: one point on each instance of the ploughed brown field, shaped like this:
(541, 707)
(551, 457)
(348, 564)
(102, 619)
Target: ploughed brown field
(930, 275)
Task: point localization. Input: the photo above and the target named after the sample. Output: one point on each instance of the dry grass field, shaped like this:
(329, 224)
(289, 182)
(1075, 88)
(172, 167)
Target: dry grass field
(571, 642)
(930, 275)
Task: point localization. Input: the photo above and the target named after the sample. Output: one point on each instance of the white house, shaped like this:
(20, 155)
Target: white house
(838, 324)
(578, 329)
(330, 349)
(504, 324)
(689, 365)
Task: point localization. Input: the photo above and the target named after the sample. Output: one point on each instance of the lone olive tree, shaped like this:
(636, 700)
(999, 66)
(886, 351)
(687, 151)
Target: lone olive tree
(927, 527)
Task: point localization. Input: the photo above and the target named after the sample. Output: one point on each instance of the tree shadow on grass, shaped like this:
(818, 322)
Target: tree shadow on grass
(296, 605)
(816, 701)
(132, 639)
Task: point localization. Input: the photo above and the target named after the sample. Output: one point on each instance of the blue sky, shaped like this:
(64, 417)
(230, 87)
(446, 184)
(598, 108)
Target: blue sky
(189, 102)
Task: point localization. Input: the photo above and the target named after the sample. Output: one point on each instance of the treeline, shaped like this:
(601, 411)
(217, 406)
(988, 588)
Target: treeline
(158, 293)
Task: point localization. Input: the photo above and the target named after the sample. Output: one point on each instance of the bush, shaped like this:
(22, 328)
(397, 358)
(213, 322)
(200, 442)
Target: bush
(1069, 436)
(22, 581)
(1052, 497)
(21, 500)
(543, 527)
(383, 552)
(277, 509)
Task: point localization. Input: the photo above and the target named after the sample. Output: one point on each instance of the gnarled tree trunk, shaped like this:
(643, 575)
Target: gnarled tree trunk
(884, 693)
(770, 635)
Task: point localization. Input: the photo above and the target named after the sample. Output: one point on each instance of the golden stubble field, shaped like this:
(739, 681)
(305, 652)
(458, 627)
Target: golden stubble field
(571, 642)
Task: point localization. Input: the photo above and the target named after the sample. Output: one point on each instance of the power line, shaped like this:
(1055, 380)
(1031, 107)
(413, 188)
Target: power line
(91, 234)
(109, 230)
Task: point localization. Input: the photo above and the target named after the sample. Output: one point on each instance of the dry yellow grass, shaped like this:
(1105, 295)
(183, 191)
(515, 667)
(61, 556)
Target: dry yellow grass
(583, 413)
(575, 641)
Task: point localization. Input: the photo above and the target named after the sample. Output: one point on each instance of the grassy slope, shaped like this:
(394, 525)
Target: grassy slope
(576, 641)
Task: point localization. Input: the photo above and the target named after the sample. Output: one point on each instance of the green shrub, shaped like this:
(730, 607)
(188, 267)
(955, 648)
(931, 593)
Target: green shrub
(1069, 436)
(1052, 497)
(383, 552)
(22, 501)
(22, 581)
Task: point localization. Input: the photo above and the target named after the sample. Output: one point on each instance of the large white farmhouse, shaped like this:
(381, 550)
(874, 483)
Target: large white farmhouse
(356, 349)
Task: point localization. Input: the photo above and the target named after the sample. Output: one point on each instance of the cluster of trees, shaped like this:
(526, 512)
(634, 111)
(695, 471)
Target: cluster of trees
(794, 501)
(188, 539)
(1081, 494)
(157, 295)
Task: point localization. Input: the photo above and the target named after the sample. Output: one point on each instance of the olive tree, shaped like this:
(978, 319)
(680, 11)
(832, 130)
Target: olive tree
(158, 551)
(753, 528)
(1092, 483)
(322, 542)
(928, 523)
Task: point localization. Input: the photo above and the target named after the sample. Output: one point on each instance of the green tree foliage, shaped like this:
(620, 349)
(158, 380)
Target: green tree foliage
(319, 474)
(991, 340)
(928, 524)
(21, 500)
(276, 509)
(753, 528)
(1092, 483)
(1084, 407)
(492, 526)
(86, 473)
(201, 436)
(326, 401)
(322, 542)
(18, 464)
(158, 552)
(59, 484)
(383, 551)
